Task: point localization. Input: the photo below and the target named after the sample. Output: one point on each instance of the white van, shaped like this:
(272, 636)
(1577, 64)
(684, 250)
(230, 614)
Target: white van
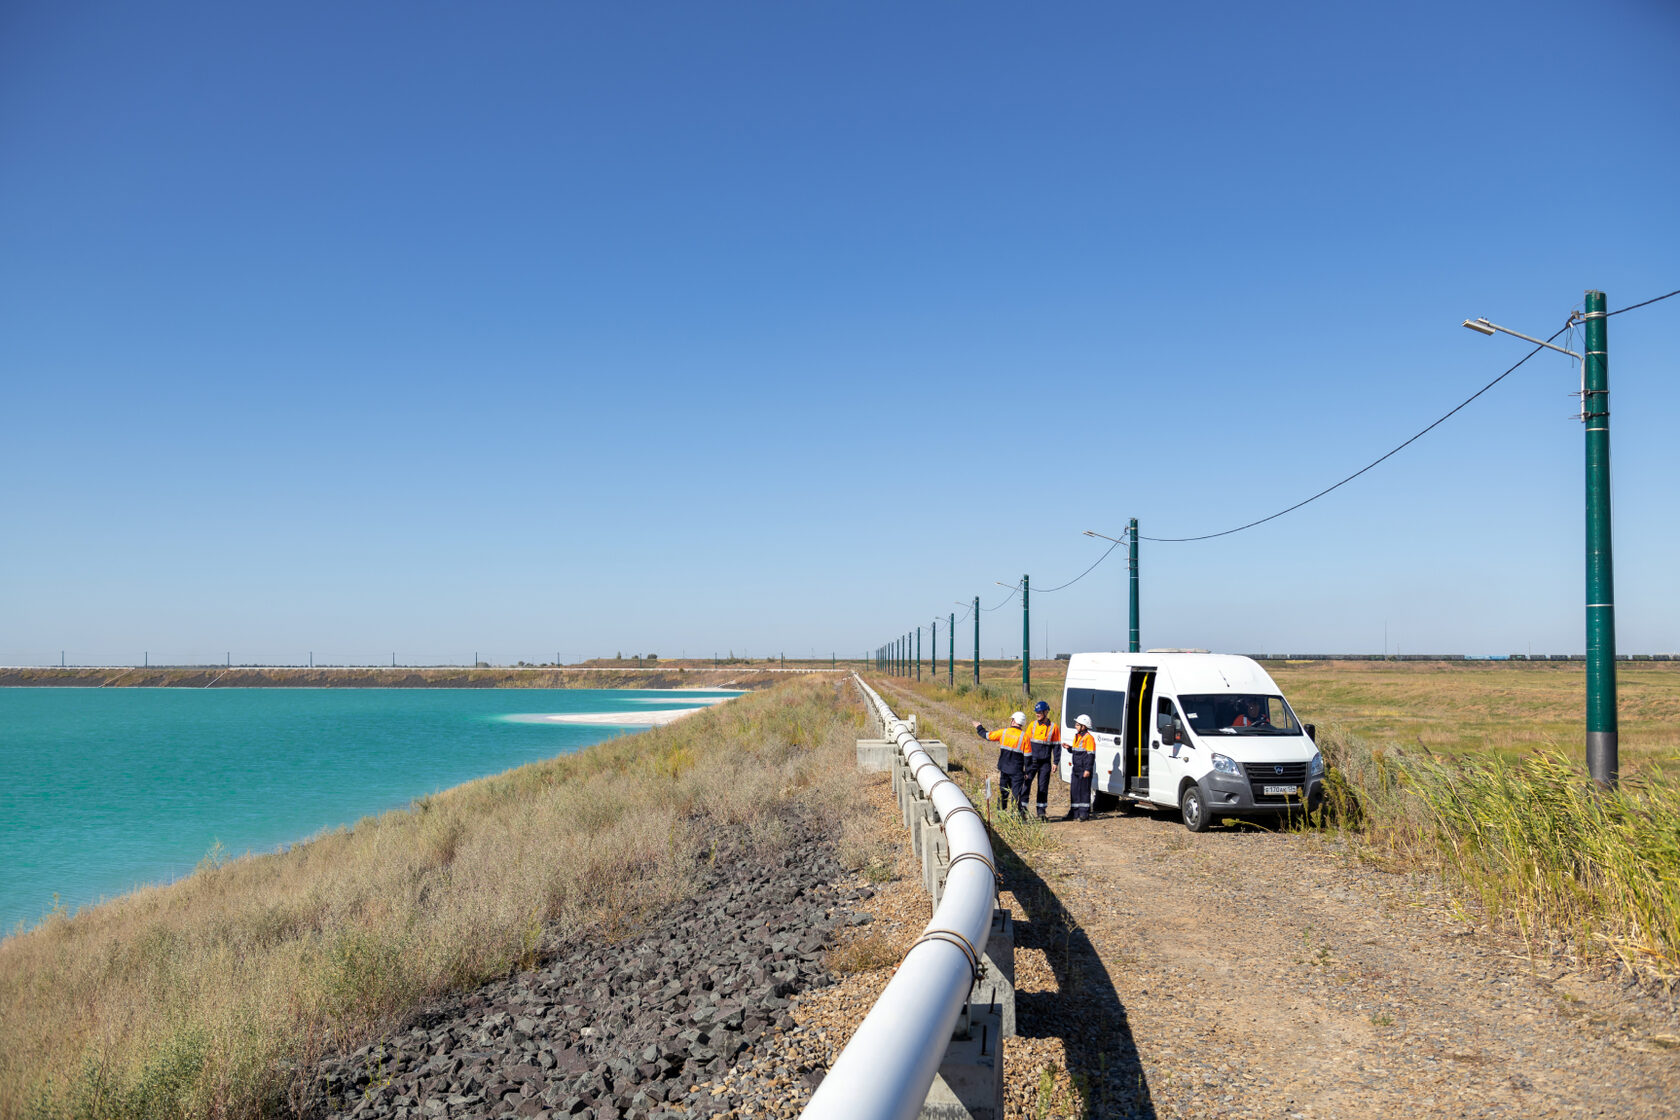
(1209, 734)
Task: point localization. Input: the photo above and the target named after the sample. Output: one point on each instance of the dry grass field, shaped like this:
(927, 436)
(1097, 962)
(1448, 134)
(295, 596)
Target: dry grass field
(1500, 708)
(1454, 708)
(214, 995)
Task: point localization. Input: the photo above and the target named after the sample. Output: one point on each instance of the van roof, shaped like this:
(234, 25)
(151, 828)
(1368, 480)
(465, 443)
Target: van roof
(1188, 672)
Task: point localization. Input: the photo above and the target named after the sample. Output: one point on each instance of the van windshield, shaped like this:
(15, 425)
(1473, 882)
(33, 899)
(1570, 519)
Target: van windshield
(1238, 713)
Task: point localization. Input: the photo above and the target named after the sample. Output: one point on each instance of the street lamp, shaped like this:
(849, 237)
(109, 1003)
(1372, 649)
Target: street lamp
(1131, 539)
(1602, 760)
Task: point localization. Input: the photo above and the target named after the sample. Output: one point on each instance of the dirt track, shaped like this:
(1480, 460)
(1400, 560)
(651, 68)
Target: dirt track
(1245, 973)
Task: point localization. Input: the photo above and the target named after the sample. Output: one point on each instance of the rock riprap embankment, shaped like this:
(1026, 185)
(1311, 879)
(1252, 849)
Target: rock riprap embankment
(626, 1030)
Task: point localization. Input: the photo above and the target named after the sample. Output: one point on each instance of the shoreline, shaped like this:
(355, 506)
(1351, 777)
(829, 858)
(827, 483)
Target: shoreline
(675, 678)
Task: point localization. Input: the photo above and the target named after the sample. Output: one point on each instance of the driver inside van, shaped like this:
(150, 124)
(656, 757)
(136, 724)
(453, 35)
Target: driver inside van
(1253, 716)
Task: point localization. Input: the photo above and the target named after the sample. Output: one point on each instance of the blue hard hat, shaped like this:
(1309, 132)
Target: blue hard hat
(1041, 706)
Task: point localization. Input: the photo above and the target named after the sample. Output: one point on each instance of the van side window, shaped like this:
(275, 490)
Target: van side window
(1165, 707)
(1106, 708)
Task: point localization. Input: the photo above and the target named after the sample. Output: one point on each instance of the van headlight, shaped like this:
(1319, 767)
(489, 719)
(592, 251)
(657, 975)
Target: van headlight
(1225, 765)
(1315, 768)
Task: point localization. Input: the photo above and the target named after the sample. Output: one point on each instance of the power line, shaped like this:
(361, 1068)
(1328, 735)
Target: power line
(1081, 575)
(1637, 306)
(1567, 327)
(1390, 454)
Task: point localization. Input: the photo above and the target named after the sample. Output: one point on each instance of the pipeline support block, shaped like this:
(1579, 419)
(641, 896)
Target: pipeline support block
(969, 1085)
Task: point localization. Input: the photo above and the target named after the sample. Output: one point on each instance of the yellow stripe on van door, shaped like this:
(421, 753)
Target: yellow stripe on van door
(1142, 737)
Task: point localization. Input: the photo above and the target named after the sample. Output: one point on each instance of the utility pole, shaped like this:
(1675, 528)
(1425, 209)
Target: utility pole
(1132, 564)
(933, 652)
(951, 649)
(1602, 760)
(918, 653)
(977, 641)
(1026, 643)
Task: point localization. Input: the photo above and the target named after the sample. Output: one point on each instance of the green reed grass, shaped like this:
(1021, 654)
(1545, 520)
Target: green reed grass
(1533, 839)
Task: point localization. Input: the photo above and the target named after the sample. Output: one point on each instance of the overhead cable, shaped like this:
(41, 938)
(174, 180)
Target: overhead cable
(1081, 575)
(1637, 306)
(1388, 455)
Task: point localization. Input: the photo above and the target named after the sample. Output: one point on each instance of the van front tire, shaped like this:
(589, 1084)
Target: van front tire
(1192, 809)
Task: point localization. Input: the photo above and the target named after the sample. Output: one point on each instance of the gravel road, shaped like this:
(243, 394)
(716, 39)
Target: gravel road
(1249, 973)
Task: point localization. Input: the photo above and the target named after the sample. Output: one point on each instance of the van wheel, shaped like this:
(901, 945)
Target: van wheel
(1192, 809)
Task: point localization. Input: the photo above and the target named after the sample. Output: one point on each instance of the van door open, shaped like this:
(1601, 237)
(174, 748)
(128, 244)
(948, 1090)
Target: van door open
(1140, 706)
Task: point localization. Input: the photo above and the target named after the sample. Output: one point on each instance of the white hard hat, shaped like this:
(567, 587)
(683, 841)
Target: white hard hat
(1083, 721)
(1018, 717)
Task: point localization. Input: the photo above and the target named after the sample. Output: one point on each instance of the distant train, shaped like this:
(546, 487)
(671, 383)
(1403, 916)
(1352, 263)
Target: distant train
(1454, 657)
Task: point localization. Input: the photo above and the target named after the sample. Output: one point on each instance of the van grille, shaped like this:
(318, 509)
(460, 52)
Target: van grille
(1263, 774)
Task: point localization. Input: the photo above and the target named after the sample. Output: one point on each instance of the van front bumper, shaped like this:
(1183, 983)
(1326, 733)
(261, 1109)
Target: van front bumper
(1231, 793)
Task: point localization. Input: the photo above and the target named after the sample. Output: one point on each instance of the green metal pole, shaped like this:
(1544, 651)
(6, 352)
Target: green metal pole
(977, 641)
(933, 653)
(918, 653)
(1602, 760)
(1026, 643)
(951, 650)
(1132, 539)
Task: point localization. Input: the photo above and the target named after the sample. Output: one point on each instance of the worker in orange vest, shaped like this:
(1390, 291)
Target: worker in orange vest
(1044, 736)
(1082, 760)
(1012, 751)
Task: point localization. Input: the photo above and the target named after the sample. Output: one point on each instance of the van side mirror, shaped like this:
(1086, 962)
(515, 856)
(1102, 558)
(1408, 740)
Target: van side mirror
(1312, 731)
(1164, 723)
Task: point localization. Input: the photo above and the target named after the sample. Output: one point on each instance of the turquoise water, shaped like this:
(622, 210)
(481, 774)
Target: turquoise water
(102, 790)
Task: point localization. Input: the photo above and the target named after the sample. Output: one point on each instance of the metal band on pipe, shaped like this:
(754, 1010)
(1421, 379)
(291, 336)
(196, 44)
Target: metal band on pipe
(955, 938)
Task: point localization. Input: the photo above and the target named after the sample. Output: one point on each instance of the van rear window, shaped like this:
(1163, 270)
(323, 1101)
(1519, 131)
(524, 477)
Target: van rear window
(1107, 709)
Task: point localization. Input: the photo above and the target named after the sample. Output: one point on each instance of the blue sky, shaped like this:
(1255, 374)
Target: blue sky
(540, 328)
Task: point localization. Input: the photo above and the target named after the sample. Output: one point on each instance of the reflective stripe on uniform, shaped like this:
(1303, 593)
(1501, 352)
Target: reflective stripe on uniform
(1045, 734)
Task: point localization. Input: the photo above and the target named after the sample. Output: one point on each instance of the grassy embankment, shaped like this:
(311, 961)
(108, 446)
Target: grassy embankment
(1474, 771)
(213, 996)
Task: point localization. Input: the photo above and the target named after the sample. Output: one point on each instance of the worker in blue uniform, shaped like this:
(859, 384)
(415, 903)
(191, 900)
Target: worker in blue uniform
(1045, 736)
(1012, 751)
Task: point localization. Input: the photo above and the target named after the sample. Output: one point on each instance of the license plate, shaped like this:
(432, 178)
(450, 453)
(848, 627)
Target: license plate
(1282, 791)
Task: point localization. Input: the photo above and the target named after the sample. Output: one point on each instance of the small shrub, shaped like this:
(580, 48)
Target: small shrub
(863, 954)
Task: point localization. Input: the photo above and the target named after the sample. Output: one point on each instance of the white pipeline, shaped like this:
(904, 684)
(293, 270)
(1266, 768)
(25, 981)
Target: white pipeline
(886, 1070)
